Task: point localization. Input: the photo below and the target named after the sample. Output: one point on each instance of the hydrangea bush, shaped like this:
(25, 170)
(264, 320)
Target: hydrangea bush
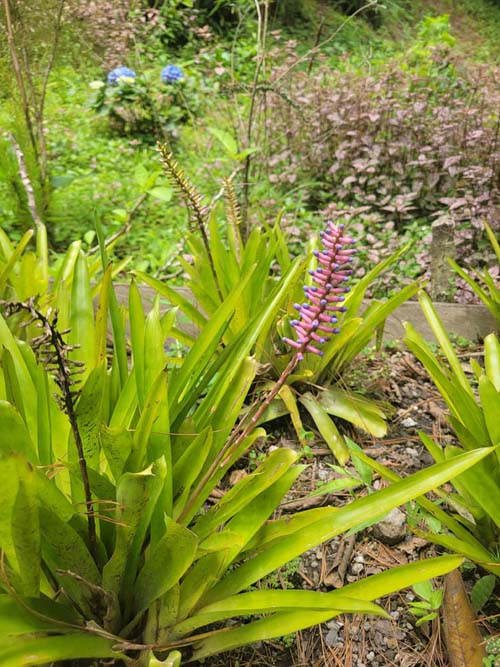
(150, 105)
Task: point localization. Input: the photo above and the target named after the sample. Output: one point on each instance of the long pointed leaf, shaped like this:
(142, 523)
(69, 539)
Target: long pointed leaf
(356, 513)
(30, 652)
(367, 589)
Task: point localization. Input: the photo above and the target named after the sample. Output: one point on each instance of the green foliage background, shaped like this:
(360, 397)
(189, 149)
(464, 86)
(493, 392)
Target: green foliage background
(94, 172)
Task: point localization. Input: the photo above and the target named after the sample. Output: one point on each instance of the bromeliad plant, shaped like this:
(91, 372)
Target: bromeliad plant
(26, 272)
(466, 521)
(221, 257)
(316, 383)
(113, 548)
(474, 530)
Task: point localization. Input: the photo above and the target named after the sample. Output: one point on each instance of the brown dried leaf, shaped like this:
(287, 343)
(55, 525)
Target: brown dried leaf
(462, 636)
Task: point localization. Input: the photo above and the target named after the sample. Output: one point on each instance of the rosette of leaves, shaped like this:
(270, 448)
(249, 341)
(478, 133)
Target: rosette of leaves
(221, 257)
(317, 383)
(26, 271)
(467, 520)
(114, 545)
(473, 521)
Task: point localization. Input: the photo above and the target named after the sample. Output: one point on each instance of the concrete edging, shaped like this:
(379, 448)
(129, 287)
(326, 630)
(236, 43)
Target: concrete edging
(471, 321)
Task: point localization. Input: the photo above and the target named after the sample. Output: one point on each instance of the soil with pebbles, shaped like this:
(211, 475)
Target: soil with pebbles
(363, 641)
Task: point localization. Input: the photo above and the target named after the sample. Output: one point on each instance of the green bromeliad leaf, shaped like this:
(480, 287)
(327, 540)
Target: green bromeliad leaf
(32, 652)
(335, 521)
(291, 621)
(356, 409)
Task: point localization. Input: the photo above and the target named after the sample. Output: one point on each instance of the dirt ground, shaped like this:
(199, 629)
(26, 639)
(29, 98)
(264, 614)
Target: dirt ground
(363, 641)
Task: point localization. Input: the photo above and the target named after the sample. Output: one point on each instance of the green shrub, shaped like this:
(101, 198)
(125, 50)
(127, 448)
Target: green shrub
(147, 107)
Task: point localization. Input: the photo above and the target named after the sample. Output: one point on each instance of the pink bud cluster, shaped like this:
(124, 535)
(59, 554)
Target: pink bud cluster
(318, 315)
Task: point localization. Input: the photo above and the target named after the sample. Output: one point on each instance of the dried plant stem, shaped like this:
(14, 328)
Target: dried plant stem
(33, 97)
(65, 386)
(16, 66)
(57, 359)
(39, 111)
(314, 50)
(82, 463)
(263, 18)
(25, 180)
(193, 201)
(318, 47)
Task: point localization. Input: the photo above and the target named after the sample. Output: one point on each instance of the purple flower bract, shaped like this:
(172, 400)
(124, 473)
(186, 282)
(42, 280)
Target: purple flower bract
(318, 315)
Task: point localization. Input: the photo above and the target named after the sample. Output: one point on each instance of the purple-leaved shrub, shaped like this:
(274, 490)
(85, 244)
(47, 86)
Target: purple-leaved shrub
(400, 144)
(394, 149)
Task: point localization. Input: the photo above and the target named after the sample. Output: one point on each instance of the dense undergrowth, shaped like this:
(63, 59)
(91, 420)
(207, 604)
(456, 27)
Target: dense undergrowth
(314, 109)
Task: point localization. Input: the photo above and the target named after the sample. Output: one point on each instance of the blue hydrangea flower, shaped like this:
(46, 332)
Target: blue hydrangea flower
(121, 73)
(171, 74)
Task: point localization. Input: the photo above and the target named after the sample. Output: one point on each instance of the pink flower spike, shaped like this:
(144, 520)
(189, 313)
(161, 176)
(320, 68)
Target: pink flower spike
(329, 279)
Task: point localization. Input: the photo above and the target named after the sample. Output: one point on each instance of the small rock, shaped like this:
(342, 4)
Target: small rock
(408, 422)
(357, 568)
(392, 529)
(370, 655)
(389, 629)
(411, 451)
(426, 458)
(331, 637)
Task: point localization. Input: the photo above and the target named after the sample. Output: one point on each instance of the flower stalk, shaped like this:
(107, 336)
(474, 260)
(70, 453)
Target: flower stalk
(317, 317)
(53, 352)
